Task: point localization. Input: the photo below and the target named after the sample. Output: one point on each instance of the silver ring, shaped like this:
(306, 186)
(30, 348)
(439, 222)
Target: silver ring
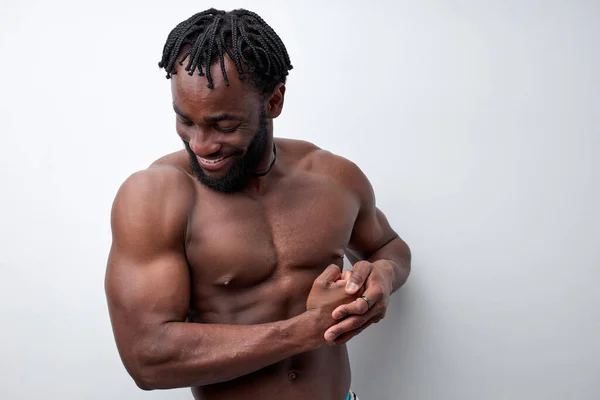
(369, 302)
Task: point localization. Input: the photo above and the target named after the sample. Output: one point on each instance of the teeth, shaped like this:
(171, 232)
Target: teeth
(212, 161)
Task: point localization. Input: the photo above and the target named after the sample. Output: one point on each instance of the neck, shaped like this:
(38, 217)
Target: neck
(273, 158)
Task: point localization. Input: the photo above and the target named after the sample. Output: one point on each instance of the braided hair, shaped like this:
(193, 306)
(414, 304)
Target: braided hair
(241, 34)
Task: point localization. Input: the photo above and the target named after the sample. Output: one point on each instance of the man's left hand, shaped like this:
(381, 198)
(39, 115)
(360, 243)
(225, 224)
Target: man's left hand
(376, 278)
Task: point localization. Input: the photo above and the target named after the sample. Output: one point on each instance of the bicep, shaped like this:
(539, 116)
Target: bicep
(371, 229)
(147, 279)
(371, 232)
(147, 292)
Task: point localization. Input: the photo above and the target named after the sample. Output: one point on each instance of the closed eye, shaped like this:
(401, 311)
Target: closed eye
(185, 122)
(225, 129)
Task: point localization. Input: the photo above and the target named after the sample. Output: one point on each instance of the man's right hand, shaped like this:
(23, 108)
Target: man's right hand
(327, 293)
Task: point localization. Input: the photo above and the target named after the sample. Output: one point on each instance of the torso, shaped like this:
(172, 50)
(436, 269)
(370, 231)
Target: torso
(253, 259)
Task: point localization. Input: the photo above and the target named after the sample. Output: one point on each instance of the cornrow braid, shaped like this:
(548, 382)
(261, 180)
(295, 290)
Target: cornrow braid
(242, 35)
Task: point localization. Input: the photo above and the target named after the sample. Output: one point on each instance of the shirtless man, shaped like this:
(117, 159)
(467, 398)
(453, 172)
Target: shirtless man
(224, 273)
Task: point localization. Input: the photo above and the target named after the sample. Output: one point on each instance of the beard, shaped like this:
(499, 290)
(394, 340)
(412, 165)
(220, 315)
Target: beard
(243, 168)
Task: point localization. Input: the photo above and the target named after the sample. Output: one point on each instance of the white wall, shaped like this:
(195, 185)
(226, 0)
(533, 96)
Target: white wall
(477, 123)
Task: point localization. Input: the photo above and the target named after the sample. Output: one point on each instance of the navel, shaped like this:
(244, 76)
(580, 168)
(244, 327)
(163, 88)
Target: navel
(292, 376)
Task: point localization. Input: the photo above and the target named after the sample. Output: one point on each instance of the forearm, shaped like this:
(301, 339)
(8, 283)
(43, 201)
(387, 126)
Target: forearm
(193, 354)
(396, 256)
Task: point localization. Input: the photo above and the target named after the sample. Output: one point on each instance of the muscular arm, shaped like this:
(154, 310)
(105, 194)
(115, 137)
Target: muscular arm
(373, 239)
(381, 259)
(148, 292)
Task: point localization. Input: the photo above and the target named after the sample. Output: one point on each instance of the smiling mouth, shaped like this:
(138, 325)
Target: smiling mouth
(214, 164)
(212, 161)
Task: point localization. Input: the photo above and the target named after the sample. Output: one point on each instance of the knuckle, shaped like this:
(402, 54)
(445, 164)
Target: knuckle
(357, 323)
(363, 265)
(377, 296)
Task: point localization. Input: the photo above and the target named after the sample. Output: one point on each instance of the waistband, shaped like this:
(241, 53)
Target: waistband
(352, 396)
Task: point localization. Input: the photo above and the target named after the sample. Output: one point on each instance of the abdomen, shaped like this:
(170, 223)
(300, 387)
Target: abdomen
(322, 374)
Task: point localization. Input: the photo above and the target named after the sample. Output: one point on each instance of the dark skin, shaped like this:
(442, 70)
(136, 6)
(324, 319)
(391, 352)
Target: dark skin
(240, 295)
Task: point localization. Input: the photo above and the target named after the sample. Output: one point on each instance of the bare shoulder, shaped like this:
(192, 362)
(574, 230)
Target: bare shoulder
(157, 184)
(165, 180)
(153, 203)
(177, 159)
(296, 151)
(328, 165)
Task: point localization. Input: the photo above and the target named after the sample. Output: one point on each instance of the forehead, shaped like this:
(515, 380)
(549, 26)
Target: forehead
(192, 95)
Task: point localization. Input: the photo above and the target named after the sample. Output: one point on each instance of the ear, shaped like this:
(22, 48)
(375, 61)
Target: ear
(274, 104)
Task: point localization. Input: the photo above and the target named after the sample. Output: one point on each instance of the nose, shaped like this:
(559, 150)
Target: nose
(203, 144)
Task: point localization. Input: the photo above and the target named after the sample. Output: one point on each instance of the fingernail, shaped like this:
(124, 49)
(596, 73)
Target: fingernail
(353, 287)
(329, 337)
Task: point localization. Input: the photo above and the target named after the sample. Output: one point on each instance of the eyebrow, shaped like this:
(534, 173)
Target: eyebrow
(211, 118)
(179, 112)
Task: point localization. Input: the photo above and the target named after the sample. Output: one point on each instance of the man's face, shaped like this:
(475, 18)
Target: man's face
(224, 129)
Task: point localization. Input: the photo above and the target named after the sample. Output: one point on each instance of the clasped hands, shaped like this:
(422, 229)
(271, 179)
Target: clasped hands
(339, 297)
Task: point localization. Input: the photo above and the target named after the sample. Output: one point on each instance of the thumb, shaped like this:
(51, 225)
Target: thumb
(359, 275)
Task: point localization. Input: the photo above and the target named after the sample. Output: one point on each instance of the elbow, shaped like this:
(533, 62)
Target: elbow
(145, 377)
(405, 255)
(150, 378)
(147, 371)
(143, 384)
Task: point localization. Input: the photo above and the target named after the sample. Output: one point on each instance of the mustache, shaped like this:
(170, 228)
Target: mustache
(216, 154)
(219, 154)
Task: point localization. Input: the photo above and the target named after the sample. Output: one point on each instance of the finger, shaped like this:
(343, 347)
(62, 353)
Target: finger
(343, 339)
(346, 274)
(343, 280)
(347, 325)
(360, 272)
(374, 293)
(331, 274)
(357, 307)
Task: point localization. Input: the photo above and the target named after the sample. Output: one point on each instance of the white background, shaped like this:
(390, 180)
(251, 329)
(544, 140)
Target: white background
(477, 123)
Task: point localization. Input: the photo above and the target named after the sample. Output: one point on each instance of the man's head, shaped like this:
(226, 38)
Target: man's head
(218, 115)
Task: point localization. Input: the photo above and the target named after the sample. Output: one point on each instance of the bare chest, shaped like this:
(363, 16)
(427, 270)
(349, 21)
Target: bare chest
(240, 242)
